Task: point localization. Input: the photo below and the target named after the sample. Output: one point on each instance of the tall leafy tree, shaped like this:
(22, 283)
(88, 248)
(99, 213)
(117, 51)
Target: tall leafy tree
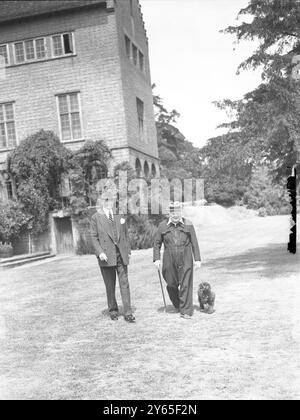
(226, 169)
(268, 118)
(179, 158)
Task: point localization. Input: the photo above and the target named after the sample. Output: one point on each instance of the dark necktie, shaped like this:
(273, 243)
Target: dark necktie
(110, 218)
(113, 226)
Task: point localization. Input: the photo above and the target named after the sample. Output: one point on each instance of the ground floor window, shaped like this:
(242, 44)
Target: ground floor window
(8, 139)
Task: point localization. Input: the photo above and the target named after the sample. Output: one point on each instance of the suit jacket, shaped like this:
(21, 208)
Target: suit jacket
(189, 241)
(102, 239)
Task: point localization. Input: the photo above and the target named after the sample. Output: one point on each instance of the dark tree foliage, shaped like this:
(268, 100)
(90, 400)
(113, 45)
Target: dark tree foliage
(36, 166)
(264, 196)
(179, 158)
(88, 165)
(93, 158)
(124, 167)
(268, 118)
(226, 169)
(13, 221)
(276, 24)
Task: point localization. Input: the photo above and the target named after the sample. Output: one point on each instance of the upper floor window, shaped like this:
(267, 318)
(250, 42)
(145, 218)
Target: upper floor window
(134, 54)
(19, 52)
(30, 50)
(8, 138)
(62, 44)
(69, 116)
(127, 46)
(4, 53)
(140, 113)
(40, 48)
(141, 61)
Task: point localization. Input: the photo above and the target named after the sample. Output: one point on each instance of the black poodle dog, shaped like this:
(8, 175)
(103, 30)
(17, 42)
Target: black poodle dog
(206, 298)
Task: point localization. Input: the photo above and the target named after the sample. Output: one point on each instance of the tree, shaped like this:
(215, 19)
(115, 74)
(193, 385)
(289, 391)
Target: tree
(268, 118)
(87, 166)
(179, 158)
(36, 165)
(226, 168)
(13, 221)
(264, 196)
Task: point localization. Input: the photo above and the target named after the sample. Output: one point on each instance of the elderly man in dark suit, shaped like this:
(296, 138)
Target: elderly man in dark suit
(180, 246)
(112, 248)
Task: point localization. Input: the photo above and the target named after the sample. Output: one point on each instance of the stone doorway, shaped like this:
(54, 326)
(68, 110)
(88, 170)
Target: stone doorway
(64, 235)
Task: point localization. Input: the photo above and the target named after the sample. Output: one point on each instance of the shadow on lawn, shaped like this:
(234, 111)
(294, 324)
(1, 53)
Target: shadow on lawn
(270, 261)
(171, 310)
(105, 312)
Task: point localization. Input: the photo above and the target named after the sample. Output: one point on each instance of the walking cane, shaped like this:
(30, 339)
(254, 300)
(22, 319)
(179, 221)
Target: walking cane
(162, 289)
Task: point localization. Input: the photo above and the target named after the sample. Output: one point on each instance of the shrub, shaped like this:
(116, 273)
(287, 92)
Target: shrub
(263, 194)
(142, 229)
(262, 212)
(37, 165)
(13, 221)
(6, 251)
(89, 165)
(84, 245)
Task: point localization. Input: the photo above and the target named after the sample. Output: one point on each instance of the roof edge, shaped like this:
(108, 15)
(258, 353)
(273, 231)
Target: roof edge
(101, 4)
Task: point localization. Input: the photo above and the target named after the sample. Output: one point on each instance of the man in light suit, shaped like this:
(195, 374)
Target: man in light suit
(112, 248)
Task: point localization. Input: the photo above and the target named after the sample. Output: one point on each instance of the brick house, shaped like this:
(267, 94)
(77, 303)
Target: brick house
(80, 69)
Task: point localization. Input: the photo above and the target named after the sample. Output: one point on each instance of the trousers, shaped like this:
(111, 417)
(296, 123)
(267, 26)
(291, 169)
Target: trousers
(109, 275)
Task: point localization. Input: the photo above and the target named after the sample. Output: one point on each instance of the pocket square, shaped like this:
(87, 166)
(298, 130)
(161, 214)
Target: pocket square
(122, 221)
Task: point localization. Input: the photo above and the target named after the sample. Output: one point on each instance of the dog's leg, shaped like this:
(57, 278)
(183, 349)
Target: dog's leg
(200, 299)
(211, 303)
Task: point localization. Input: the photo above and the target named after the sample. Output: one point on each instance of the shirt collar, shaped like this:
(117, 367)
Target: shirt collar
(107, 212)
(175, 224)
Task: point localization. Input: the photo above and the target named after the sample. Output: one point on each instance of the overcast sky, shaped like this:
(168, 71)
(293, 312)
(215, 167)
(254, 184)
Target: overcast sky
(192, 64)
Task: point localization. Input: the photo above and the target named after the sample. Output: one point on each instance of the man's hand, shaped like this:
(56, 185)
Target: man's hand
(157, 264)
(103, 257)
(197, 265)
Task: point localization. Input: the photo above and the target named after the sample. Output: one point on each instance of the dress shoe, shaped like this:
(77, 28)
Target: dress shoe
(114, 317)
(185, 316)
(129, 318)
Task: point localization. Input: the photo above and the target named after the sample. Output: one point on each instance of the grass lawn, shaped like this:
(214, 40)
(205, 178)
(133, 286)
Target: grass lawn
(56, 341)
